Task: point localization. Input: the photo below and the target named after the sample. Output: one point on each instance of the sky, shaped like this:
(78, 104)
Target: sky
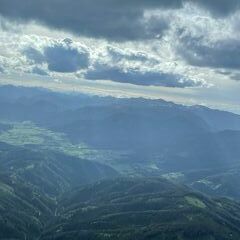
(183, 51)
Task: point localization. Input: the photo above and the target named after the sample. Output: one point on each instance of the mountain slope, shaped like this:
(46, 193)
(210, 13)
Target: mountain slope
(24, 210)
(51, 172)
(218, 120)
(137, 208)
(31, 182)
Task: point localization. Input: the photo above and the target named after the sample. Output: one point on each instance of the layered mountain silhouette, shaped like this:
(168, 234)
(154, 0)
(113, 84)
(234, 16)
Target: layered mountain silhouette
(74, 166)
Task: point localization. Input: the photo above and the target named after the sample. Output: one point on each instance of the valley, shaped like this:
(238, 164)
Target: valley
(119, 120)
(76, 166)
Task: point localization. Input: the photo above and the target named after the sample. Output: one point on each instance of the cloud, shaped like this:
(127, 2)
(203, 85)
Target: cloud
(111, 19)
(1, 70)
(62, 57)
(193, 43)
(137, 77)
(66, 59)
(39, 71)
(205, 40)
(220, 8)
(235, 76)
(118, 55)
(117, 20)
(219, 54)
(110, 61)
(34, 55)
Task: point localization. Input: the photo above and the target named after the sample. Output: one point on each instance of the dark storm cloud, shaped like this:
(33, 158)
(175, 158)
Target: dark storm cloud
(112, 19)
(60, 57)
(105, 72)
(220, 7)
(220, 54)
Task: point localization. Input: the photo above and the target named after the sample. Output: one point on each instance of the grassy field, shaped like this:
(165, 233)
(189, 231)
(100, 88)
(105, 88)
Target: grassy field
(28, 134)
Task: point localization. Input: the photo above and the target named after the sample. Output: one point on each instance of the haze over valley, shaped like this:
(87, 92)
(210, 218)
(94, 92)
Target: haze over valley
(119, 120)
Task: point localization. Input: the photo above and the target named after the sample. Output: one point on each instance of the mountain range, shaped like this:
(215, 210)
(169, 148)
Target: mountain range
(76, 166)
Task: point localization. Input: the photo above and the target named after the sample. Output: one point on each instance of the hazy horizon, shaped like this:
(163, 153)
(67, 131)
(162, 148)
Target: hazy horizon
(181, 51)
